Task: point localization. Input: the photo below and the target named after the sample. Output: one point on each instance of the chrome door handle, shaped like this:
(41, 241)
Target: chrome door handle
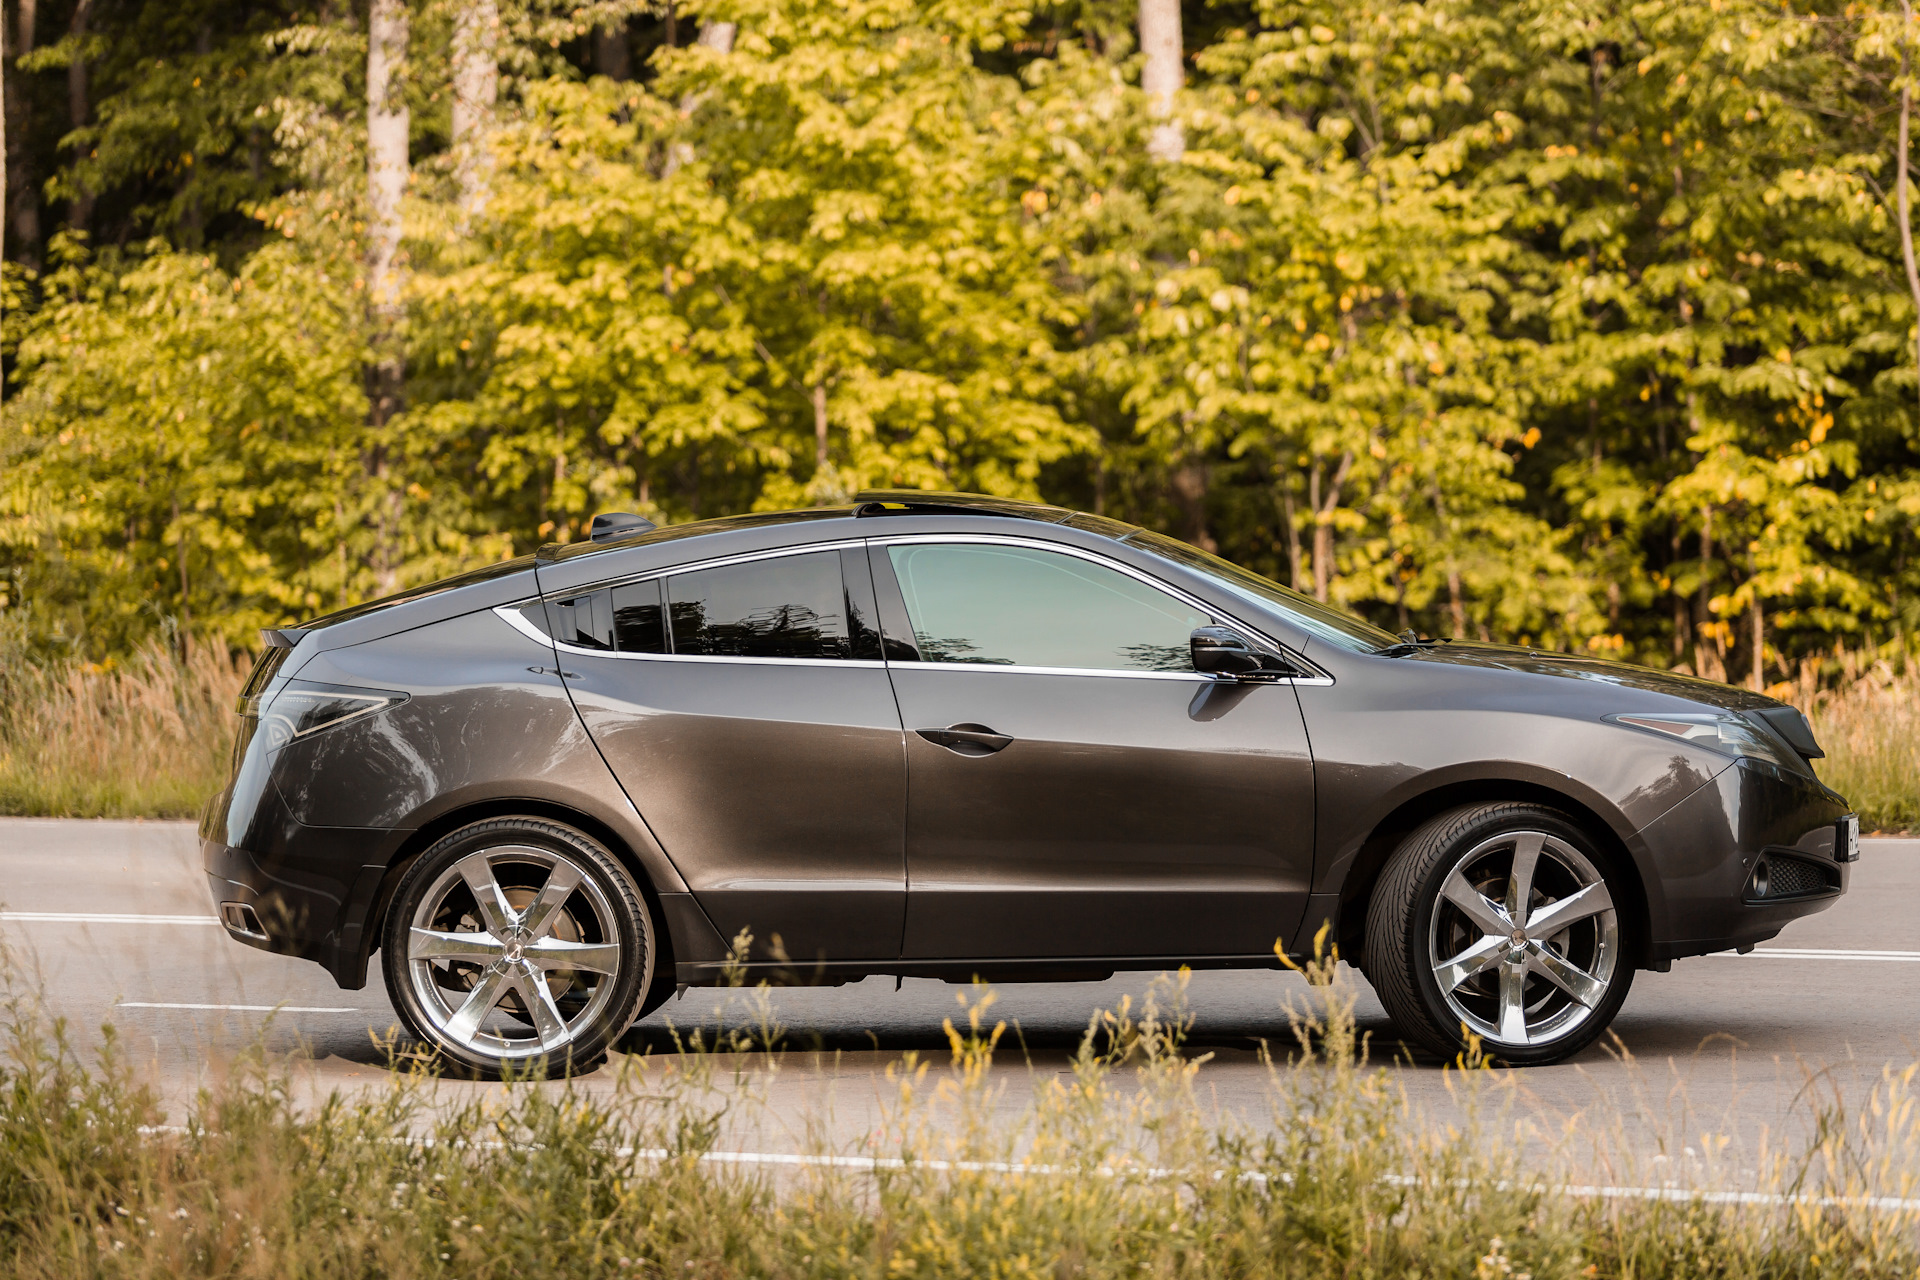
(966, 739)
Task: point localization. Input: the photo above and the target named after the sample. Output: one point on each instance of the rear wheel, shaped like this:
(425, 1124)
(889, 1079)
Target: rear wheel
(1503, 921)
(518, 945)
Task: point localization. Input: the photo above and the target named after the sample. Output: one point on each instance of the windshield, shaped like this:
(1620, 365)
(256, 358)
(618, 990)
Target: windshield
(1324, 621)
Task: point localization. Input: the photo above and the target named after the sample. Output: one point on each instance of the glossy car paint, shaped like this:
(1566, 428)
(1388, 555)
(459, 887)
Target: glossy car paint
(1150, 821)
(780, 787)
(1162, 810)
(312, 835)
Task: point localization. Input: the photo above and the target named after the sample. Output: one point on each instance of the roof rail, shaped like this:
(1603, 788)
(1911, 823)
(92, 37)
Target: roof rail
(918, 502)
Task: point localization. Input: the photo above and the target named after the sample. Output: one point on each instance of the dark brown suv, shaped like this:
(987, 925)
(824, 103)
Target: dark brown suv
(947, 735)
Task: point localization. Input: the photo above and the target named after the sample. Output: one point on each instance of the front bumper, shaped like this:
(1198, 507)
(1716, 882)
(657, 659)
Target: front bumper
(1705, 849)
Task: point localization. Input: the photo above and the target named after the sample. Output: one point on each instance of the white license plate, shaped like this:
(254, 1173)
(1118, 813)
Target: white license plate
(1848, 846)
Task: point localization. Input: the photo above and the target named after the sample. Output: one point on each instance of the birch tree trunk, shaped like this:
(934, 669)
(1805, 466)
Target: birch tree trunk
(1162, 76)
(717, 36)
(3, 170)
(1901, 177)
(476, 86)
(387, 123)
(24, 209)
(1323, 522)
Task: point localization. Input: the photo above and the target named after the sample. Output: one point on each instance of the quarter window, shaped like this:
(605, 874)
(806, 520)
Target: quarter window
(1017, 606)
(585, 622)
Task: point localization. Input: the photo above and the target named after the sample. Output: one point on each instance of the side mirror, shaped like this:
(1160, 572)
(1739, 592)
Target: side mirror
(1219, 652)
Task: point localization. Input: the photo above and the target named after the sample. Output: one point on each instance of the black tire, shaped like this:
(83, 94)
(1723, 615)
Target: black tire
(579, 967)
(1417, 919)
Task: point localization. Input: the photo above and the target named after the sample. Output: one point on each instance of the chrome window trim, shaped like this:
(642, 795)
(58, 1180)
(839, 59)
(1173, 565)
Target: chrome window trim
(692, 566)
(1191, 601)
(510, 614)
(1189, 677)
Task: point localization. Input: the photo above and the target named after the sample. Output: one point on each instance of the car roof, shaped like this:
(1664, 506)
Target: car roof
(867, 504)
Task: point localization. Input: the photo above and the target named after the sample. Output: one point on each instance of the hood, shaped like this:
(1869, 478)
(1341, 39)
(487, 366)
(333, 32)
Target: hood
(1540, 662)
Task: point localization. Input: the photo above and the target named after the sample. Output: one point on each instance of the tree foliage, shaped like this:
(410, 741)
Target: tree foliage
(1571, 324)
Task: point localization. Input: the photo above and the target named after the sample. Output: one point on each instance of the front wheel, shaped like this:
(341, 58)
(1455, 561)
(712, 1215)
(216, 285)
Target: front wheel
(1505, 922)
(518, 945)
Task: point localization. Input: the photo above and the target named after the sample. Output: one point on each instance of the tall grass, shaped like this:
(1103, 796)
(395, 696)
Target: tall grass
(149, 736)
(1867, 720)
(1116, 1169)
(143, 737)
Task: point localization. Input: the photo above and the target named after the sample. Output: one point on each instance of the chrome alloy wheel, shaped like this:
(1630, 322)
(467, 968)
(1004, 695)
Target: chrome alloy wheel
(1524, 941)
(513, 982)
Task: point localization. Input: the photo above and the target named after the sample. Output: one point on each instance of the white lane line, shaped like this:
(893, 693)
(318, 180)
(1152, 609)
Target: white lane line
(90, 917)
(243, 1008)
(877, 1164)
(1825, 953)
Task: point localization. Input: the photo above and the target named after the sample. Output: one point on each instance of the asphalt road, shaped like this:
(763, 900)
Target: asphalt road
(110, 922)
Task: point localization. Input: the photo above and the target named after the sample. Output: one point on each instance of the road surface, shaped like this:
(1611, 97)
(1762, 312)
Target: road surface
(110, 922)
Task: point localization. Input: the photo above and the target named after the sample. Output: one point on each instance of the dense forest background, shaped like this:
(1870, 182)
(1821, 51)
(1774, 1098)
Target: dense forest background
(1582, 323)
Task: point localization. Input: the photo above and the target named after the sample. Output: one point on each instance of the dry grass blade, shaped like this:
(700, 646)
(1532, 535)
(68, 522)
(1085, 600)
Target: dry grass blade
(1121, 1171)
(146, 737)
(1868, 722)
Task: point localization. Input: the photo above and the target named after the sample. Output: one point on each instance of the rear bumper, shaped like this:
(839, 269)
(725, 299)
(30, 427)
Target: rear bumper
(1705, 850)
(311, 888)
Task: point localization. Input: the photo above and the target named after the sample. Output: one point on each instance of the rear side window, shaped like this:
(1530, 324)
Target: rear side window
(787, 607)
(639, 618)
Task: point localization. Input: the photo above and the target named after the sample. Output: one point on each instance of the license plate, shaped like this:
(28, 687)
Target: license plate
(1846, 846)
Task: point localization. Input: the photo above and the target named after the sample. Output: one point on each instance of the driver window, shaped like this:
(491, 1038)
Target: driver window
(1017, 606)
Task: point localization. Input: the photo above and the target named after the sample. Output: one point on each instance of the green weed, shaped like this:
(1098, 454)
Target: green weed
(1116, 1168)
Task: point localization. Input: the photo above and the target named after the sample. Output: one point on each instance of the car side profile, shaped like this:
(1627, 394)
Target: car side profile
(953, 736)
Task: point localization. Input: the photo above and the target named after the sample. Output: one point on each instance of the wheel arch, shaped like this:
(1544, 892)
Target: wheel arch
(441, 825)
(1386, 836)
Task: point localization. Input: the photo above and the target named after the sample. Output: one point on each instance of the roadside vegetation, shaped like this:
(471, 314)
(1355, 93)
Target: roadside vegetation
(1496, 319)
(145, 736)
(149, 736)
(1868, 722)
(1116, 1169)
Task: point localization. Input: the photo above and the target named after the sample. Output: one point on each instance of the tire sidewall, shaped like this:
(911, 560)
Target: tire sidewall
(631, 918)
(1419, 922)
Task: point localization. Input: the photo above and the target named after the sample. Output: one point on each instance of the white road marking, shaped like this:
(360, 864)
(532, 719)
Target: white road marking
(1825, 953)
(88, 917)
(875, 1164)
(243, 1008)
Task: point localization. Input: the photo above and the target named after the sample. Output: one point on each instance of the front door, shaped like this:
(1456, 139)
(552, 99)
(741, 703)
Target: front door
(1075, 788)
(745, 709)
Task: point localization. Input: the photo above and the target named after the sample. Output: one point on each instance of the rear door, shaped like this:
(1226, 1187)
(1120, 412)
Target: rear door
(1075, 788)
(744, 706)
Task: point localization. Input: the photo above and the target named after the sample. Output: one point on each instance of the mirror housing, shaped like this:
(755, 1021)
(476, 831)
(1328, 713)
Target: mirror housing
(1219, 652)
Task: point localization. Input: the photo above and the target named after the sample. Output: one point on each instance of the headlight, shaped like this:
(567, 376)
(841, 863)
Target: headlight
(1728, 734)
(302, 707)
